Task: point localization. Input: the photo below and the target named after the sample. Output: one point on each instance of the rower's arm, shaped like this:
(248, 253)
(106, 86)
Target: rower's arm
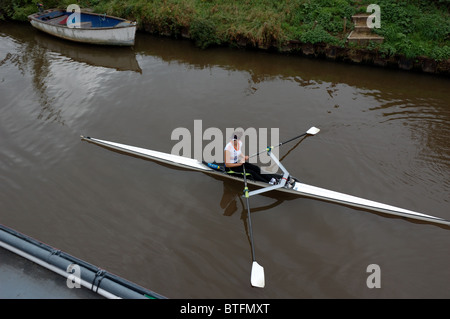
(243, 158)
(228, 162)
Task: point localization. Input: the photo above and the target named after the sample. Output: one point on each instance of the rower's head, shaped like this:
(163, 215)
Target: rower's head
(235, 140)
(236, 137)
(237, 134)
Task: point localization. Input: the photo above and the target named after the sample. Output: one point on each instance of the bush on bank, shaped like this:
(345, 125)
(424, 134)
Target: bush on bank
(413, 28)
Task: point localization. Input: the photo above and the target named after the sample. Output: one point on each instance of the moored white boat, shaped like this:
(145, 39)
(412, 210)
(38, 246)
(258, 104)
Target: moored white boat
(87, 27)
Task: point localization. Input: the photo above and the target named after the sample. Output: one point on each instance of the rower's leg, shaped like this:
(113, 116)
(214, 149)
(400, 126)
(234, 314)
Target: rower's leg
(256, 173)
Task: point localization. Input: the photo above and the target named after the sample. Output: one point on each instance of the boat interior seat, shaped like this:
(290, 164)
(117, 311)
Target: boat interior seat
(122, 24)
(87, 24)
(52, 15)
(62, 20)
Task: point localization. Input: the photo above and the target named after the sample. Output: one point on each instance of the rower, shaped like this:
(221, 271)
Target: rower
(235, 160)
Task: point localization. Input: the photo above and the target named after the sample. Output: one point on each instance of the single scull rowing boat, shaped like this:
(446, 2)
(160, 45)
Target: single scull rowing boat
(296, 187)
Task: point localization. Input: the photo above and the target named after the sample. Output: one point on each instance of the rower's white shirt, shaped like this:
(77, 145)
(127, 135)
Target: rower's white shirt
(235, 154)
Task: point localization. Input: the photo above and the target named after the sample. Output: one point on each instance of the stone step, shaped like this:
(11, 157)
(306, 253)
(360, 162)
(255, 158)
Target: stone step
(362, 34)
(363, 30)
(364, 38)
(360, 19)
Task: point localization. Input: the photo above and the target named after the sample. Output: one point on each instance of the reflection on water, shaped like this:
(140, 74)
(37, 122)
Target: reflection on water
(34, 60)
(232, 201)
(47, 59)
(313, 73)
(228, 202)
(117, 58)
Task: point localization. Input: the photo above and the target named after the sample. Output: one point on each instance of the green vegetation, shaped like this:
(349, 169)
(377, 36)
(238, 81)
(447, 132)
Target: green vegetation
(412, 28)
(415, 28)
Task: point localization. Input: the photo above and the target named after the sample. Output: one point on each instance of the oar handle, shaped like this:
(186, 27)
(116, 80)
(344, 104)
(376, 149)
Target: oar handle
(312, 131)
(294, 138)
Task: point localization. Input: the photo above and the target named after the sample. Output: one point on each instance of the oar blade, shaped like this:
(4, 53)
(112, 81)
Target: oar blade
(313, 131)
(257, 275)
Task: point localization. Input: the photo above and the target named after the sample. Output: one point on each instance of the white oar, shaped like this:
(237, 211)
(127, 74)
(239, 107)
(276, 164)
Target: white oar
(312, 131)
(257, 274)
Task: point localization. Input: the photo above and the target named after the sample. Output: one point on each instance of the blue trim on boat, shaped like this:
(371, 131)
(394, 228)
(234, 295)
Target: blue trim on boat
(98, 21)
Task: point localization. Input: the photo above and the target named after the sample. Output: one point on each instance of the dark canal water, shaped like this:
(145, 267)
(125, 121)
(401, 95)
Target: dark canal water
(384, 136)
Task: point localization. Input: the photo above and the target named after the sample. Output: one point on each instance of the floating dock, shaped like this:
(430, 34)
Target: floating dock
(30, 269)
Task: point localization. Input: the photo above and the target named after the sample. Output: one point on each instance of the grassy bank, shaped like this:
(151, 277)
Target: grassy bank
(414, 28)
